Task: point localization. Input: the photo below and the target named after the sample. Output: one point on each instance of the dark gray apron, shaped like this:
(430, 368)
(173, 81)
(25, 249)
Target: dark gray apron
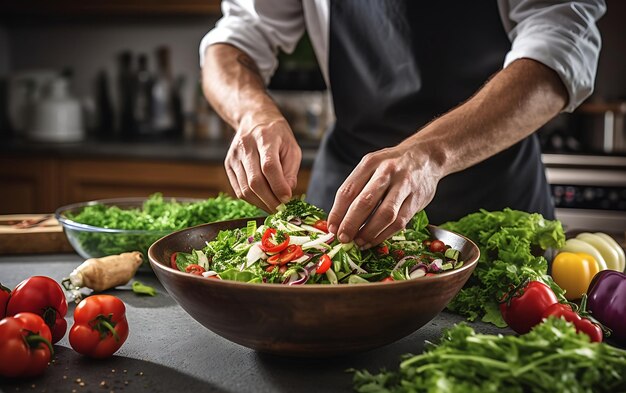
(395, 65)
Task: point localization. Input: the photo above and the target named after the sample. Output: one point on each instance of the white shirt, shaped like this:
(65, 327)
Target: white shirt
(560, 34)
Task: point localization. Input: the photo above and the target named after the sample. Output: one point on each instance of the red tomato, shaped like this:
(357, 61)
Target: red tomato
(583, 325)
(387, 279)
(323, 264)
(173, 264)
(44, 297)
(382, 250)
(437, 246)
(100, 327)
(292, 252)
(524, 309)
(195, 269)
(267, 243)
(24, 345)
(398, 254)
(322, 225)
(5, 293)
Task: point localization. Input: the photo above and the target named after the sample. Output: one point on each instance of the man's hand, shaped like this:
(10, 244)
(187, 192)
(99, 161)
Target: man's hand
(262, 163)
(263, 160)
(388, 187)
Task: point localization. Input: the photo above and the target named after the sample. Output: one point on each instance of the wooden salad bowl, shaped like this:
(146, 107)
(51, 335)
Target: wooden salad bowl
(307, 320)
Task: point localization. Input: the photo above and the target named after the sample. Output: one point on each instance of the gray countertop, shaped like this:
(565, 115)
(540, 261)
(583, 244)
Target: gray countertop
(169, 351)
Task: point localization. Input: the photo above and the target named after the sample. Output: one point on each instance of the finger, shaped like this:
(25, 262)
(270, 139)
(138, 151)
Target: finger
(272, 169)
(406, 212)
(384, 215)
(257, 183)
(246, 192)
(362, 207)
(290, 160)
(232, 178)
(346, 194)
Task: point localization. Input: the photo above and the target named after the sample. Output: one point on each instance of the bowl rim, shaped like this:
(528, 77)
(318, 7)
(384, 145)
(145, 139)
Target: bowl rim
(311, 287)
(67, 223)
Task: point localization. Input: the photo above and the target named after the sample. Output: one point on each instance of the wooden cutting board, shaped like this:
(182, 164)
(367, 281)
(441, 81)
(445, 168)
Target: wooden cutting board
(45, 237)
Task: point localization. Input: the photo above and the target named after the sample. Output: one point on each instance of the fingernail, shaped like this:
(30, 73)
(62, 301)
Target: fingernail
(344, 238)
(284, 198)
(366, 246)
(332, 229)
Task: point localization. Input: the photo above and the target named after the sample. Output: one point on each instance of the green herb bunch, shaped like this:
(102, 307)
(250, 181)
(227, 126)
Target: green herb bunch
(551, 358)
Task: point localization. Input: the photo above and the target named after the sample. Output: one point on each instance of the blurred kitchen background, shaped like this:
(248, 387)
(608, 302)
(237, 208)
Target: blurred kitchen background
(102, 99)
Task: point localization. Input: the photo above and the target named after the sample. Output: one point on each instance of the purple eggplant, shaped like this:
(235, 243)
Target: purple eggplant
(607, 302)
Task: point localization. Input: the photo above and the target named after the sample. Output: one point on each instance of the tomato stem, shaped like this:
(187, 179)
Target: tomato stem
(33, 340)
(105, 325)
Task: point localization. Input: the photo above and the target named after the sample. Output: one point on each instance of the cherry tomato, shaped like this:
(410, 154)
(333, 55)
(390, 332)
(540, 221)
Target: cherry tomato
(437, 246)
(382, 250)
(583, 325)
(323, 264)
(173, 264)
(267, 243)
(524, 309)
(195, 269)
(387, 279)
(292, 252)
(397, 254)
(100, 327)
(322, 225)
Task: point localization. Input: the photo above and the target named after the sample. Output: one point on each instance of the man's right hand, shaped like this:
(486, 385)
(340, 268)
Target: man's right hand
(263, 161)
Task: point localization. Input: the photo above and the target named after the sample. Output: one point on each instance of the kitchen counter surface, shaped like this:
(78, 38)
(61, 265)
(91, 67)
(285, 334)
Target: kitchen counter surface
(169, 351)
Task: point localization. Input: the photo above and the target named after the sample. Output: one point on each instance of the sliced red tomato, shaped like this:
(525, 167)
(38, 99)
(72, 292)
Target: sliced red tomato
(387, 279)
(195, 269)
(322, 225)
(323, 264)
(292, 252)
(173, 261)
(398, 254)
(267, 241)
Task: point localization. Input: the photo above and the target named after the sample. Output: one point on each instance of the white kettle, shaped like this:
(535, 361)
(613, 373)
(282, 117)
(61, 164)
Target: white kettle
(57, 116)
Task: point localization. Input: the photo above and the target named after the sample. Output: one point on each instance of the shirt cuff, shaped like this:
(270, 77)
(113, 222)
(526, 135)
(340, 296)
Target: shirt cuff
(570, 61)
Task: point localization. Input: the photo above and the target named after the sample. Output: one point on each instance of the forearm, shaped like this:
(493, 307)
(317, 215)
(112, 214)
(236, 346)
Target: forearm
(233, 86)
(512, 105)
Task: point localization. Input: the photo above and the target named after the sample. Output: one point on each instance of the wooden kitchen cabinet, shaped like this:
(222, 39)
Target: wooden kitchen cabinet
(40, 185)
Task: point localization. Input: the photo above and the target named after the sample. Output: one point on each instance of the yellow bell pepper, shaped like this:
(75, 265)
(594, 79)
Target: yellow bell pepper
(573, 272)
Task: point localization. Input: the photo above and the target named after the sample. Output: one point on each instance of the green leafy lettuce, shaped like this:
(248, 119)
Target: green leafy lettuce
(511, 245)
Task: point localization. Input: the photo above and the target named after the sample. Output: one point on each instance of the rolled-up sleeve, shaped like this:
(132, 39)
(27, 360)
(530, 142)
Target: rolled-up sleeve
(560, 34)
(259, 28)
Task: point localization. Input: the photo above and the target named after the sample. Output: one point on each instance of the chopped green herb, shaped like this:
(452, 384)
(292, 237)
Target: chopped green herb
(143, 289)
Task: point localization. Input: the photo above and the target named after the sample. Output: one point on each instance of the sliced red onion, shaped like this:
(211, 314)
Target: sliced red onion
(417, 273)
(210, 273)
(303, 277)
(435, 266)
(295, 221)
(310, 267)
(402, 261)
(292, 277)
(250, 239)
